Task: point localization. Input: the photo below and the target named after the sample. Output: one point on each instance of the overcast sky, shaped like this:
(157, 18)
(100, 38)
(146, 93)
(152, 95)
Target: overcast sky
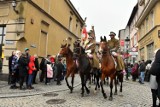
(105, 15)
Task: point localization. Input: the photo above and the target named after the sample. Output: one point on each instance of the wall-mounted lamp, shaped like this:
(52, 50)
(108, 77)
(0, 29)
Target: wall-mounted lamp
(14, 4)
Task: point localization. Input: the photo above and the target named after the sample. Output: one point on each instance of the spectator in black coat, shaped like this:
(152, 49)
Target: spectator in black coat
(155, 78)
(28, 60)
(43, 68)
(23, 71)
(10, 67)
(60, 69)
(37, 69)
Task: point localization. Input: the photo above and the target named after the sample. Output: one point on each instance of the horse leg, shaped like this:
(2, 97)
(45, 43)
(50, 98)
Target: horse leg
(72, 81)
(82, 83)
(115, 82)
(97, 79)
(66, 78)
(111, 87)
(121, 80)
(90, 81)
(85, 81)
(101, 83)
(92, 76)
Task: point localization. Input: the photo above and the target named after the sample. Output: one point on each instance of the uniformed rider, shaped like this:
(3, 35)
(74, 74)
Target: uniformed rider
(114, 46)
(113, 43)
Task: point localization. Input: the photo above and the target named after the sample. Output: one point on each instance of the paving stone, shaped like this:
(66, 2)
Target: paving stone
(134, 95)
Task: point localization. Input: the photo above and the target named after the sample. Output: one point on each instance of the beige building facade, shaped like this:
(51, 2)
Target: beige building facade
(40, 25)
(148, 24)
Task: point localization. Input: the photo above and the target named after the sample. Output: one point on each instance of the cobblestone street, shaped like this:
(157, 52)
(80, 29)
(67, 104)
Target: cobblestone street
(134, 95)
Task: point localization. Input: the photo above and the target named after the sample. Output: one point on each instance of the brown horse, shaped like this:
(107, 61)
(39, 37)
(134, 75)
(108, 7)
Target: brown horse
(70, 64)
(107, 66)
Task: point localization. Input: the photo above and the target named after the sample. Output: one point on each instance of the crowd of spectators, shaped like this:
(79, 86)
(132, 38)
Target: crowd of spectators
(23, 68)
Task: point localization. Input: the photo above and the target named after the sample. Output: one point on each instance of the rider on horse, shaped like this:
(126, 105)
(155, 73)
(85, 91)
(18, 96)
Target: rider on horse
(113, 43)
(114, 46)
(90, 48)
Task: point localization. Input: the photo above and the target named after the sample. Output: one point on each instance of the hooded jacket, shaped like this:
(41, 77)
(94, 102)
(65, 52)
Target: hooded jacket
(31, 65)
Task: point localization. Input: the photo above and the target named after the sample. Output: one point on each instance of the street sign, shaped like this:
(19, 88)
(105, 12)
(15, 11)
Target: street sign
(133, 53)
(134, 49)
(121, 42)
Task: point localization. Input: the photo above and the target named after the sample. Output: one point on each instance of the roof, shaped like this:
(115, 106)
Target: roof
(134, 11)
(74, 10)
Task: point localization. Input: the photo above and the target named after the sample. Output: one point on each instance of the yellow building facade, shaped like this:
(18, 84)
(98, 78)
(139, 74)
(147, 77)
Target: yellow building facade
(40, 25)
(149, 25)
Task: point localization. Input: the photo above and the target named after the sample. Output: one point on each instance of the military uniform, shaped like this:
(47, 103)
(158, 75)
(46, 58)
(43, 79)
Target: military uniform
(89, 44)
(113, 44)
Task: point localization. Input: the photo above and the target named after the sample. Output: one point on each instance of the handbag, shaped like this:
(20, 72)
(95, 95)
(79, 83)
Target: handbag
(49, 71)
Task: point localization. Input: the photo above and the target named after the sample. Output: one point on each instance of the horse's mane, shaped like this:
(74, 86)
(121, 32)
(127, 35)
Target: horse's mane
(70, 51)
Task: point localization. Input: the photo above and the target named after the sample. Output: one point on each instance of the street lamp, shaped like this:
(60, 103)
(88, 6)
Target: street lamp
(14, 4)
(127, 49)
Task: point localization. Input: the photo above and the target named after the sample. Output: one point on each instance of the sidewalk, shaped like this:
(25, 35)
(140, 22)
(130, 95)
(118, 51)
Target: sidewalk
(40, 88)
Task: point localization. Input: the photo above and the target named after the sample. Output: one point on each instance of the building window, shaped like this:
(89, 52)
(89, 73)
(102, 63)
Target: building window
(147, 26)
(142, 31)
(70, 23)
(76, 29)
(142, 54)
(150, 51)
(43, 44)
(2, 34)
(152, 20)
(43, 41)
(135, 39)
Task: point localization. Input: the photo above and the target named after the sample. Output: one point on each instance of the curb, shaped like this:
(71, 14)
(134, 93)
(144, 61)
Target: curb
(33, 94)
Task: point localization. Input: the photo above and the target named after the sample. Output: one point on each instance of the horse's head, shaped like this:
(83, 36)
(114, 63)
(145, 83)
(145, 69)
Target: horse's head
(103, 45)
(78, 49)
(65, 49)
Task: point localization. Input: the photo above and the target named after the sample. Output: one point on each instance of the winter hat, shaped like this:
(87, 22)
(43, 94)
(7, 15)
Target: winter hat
(26, 49)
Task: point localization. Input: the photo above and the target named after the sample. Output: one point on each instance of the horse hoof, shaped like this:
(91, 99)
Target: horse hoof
(115, 93)
(105, 96)
(71, 88)
(82, 95)
(110, 98)
(88, 92)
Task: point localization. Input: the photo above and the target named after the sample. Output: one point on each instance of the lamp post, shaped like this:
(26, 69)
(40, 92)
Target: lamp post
(14, 4)
(127, 49)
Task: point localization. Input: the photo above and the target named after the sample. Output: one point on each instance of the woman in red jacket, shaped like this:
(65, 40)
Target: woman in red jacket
(31, 67)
